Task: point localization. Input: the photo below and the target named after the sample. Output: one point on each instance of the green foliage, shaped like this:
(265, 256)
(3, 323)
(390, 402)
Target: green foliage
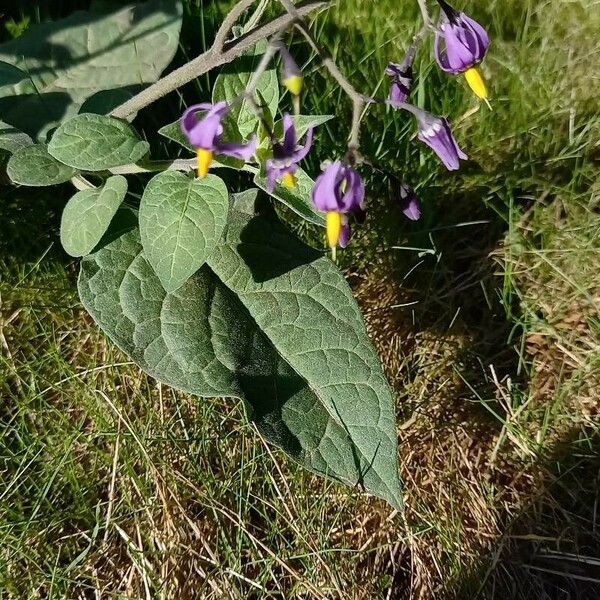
(301, 124)
(55, 66)
(11, 139)
(269, 320)
(297, 198)
(95, 142)
(181, 221)
(104, 101)
(32, 165)
(88, 214)
(233, 80)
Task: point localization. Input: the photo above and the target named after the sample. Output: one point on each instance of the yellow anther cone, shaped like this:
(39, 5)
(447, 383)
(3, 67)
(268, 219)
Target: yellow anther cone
(204, 161)
(333, 223)
(476, 82)
(294, 84)
(288, 180)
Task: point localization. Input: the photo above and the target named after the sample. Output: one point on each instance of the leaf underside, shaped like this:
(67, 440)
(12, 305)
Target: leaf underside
(268, 320)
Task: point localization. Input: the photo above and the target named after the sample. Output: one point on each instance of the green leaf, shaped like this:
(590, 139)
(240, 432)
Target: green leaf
(57, 65)
(301, 123)
(233, 80)
(32, 165)
(96, 142)
(88, 214)
(181, 221)
(103, 102)
(11, 139)
(297, 198)
(266, 319)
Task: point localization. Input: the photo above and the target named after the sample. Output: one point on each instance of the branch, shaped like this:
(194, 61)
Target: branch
(211, 59)
(228, 22)
(358, 99)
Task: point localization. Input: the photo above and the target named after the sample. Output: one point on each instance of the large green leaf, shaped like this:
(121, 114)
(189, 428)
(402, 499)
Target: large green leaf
(181, 221)
(297, 198)
(88, 214)
(52, 68)
(32, 165)
(96, 142)
(266, 319)
(233, 81)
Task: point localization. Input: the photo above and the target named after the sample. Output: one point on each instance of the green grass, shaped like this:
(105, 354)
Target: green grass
(114, 486)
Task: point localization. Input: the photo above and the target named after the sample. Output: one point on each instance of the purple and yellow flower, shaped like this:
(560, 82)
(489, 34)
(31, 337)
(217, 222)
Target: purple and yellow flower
(287, 155)
(409, 202)
(402, 78)
(338, 190)
(291, 75)
(204, 134)
(435, 132)
(460, 45)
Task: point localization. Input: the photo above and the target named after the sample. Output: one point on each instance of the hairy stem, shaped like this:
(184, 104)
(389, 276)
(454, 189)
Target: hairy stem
(210, 59)
(228, 22)
(358, 99)
(425, 13)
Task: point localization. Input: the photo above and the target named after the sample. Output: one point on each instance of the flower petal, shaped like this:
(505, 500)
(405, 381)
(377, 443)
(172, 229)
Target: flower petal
(326, 194)
(241, 151)
(302, 151)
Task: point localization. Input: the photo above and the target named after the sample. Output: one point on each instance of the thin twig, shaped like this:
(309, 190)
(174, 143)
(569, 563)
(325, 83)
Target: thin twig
(209, 60)
(358, 99)
(228, 22)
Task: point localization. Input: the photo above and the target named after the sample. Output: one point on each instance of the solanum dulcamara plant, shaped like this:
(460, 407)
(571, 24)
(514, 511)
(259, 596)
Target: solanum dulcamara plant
(197, 279)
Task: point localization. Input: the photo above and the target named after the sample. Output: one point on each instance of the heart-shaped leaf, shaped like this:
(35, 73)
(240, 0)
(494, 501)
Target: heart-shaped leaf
(32, 165)
(96, 142)
(88, 214)
(266, 319)
(181, 221)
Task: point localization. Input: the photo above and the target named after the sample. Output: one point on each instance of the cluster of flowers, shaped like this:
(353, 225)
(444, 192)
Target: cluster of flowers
(460, 44)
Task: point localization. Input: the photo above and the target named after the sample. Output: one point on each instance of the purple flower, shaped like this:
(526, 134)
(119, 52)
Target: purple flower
(345, 232)
(287, 155)
(204, 134)
(402, 75)
(435, 132)
(460, 44)
(409, 203)
(338, 190)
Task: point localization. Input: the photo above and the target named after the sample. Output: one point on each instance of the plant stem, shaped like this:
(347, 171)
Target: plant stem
(358, 99)
(211, 58)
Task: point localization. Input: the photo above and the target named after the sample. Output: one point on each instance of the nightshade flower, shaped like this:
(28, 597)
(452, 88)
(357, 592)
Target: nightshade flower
(291, 75)
(460, 44)
(338, 190)
(435, 132)
(287, 155)
(402, 75)
(409, 203)
(204, 134)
